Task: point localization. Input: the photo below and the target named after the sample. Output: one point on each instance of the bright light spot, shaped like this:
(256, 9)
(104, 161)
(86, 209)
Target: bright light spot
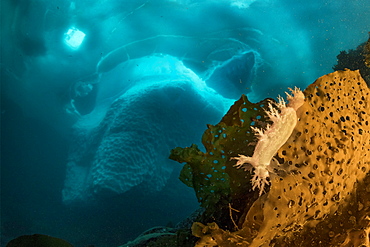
(74, 38)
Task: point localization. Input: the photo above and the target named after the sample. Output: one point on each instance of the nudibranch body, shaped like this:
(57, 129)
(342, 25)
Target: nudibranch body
(271, 139)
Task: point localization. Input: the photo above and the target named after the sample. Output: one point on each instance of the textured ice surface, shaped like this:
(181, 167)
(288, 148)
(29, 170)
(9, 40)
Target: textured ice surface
(142, 112)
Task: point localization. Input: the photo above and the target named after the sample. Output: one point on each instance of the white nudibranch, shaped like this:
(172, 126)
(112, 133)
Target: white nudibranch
(272, 138)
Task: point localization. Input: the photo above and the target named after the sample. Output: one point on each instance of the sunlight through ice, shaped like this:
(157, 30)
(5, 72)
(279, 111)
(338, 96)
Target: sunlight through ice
(74, 38)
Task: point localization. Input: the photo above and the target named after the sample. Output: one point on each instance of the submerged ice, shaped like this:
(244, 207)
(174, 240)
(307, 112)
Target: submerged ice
(143, 108)
(146, 76)
(146, 105)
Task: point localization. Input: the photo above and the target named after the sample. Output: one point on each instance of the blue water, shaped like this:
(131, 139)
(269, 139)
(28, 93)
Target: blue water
(95, 94)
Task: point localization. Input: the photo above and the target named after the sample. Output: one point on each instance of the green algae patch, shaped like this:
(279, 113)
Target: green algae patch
(212, 175)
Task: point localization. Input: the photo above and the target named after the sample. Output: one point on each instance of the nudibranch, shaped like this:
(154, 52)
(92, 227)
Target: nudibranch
(284, 118)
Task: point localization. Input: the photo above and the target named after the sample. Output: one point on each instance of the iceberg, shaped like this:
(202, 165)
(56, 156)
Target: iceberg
(144, 107)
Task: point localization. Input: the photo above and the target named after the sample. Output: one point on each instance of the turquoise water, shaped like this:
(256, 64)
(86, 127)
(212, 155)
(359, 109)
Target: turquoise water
(95, 95)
